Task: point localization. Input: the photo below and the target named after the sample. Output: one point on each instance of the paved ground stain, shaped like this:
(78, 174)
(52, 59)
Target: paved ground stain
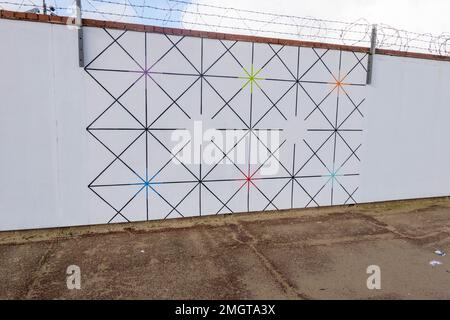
(294, 254)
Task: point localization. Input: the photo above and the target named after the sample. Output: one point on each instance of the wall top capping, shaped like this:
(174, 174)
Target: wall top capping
(13, 15)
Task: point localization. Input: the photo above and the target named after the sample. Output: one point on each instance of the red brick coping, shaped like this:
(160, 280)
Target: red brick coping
(13, 15)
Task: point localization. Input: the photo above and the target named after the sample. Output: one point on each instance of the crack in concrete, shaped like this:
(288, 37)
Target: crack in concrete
(38, 271)
(425, 238)
(251, 241)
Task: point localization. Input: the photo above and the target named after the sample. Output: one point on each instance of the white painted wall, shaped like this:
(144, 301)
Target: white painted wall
(47, 158)
(41, 111)
(406, 130)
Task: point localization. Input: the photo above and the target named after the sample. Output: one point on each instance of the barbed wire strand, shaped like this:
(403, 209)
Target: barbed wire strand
(209, 17)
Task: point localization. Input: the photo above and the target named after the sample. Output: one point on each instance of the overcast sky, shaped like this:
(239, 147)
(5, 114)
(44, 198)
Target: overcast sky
(414, 15)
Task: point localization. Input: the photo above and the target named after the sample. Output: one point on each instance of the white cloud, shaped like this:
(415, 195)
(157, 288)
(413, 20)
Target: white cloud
(419, 16)
(413, 15)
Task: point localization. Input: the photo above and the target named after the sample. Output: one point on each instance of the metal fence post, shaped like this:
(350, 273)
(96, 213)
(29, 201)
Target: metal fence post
(373, 46)
(79, 24)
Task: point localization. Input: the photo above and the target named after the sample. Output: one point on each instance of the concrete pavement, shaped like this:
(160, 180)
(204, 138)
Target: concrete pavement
(317, 253)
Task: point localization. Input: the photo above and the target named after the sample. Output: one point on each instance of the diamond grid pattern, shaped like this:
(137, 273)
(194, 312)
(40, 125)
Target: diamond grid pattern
(148, 85)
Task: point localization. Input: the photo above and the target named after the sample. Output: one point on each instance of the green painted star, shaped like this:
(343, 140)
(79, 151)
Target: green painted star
(251, 78)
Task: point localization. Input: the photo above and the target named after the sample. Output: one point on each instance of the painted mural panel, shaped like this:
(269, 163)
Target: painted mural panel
(183, 126)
